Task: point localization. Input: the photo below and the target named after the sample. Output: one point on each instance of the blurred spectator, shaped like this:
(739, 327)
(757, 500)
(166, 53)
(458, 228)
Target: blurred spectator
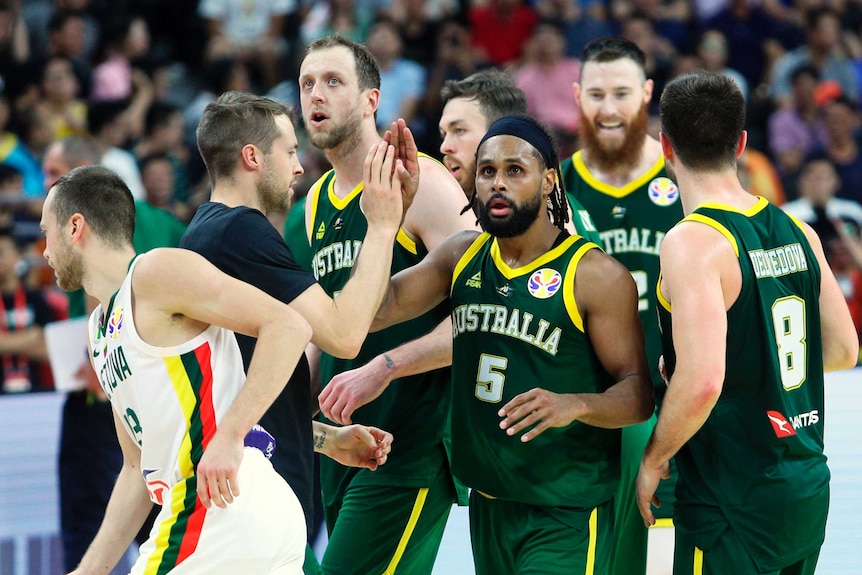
(110, 129)
(23, 315)
(670, 18)
(401, 81)
(41, 17)
(795, 130)
(163, 134)
(818, 184)
(843, 146)
(844, 253)
(821, 49)
(660, 54)
(15, 153)
(418, 29)
(547, 79)
(750, 39)
(456, 59)
(122, 43)
(501, 29)
(251, 31)
(158, 176)
(328, 17)
(712, 51)
(14, 43)
(582, 20)
(59, 105)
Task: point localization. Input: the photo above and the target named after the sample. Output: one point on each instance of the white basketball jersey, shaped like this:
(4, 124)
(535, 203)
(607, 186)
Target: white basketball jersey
(171, 399)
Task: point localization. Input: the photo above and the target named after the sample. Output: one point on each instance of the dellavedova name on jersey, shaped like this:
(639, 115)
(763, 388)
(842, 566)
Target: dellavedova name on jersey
(498, 319)
(115, 370)
(334, 257)
(624, 240)
(777, 262)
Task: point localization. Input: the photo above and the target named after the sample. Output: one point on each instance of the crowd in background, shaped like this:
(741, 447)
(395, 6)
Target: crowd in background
(134, 76)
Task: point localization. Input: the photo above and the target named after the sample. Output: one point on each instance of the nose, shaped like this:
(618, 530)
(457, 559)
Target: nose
(316, 92)
(298, 170)
(446, 146)
(499, 182)
(45, 253)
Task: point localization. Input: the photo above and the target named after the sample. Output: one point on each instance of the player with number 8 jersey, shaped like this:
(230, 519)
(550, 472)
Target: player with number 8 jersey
(772, 398)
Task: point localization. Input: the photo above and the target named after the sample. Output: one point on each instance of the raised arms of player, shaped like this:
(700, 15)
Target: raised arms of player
(170, 285)
(607, 300)
(701, 278)
(840, 342)
(127, 510)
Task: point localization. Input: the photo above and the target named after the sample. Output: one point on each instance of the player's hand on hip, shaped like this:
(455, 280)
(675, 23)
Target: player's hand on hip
(217, 471)
(647, 483)
(350, 390)
(538, 409)
(381, 200)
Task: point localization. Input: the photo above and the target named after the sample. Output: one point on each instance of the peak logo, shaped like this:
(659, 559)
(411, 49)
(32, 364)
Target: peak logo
(784, 427)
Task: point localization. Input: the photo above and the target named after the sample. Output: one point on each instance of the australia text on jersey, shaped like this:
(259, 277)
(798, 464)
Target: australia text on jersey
(335, 256)
(641, 240)
(509, 322)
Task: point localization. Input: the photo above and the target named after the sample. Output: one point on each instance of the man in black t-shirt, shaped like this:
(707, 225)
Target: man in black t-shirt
(249, 146)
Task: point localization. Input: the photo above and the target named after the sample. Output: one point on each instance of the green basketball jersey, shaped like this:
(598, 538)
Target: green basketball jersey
(632, 221)
(414, 408)
(515, 330)
(757, 464)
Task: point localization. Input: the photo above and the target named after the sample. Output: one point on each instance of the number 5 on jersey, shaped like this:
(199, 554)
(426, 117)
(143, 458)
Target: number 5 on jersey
(490, 379)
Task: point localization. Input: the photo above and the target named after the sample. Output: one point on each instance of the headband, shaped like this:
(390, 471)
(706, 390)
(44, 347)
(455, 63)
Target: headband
(525, 129)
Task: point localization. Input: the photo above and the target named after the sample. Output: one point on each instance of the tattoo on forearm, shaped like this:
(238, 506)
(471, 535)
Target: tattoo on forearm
(319, 439)
(389, 363)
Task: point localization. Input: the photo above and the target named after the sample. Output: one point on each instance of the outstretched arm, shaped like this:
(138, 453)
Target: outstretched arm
(341, 324)
(127, 510)
(350, 390)
(607, 300)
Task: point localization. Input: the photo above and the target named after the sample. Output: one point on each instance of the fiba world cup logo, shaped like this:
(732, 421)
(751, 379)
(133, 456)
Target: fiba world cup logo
(115, 323)
(544, 283)
(663, 192)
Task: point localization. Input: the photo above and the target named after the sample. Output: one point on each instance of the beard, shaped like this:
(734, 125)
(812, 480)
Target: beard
(273, 190)
(70, 275)
(348, 131)
(519, 220)
(627, 154)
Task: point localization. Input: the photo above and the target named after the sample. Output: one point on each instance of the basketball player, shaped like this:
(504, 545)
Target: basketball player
(751, 317)
(548, 363)
(619, 177)
(391, 520)
(183, 408)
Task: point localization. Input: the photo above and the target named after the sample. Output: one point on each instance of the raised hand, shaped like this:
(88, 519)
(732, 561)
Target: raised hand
(381, 200)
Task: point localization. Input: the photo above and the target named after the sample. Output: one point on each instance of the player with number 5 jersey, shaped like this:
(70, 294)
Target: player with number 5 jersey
(751, 318)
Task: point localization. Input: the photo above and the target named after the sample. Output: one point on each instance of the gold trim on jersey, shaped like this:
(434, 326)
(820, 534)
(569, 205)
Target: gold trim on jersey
(468, 256)
(311, 203)
(663, 302)
(584, 172)
(796, 221)
(594, 537)
(753, 210)
(717, 226)
(510, 273)
(569, 285)
(698, 562)
(408, 531)
(340, 204)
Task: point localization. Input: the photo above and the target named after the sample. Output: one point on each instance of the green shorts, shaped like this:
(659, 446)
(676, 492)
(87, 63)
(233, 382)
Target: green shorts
(382, 529)
(630, 533)
(516, 538)
(728, 555)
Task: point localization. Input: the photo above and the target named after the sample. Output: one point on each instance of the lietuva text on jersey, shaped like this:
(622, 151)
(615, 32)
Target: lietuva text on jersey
(510, 322)
(624, 240)
(115, 370)
(336, 256)
(777, 262)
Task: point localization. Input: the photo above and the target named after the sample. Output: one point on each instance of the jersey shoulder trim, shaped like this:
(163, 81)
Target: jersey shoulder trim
(715, 225)
(510, 273)
(468, 256)
(584, 172)
(569, 285)
(314, 199)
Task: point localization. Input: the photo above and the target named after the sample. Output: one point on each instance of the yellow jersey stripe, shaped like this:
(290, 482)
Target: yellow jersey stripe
(717, 226)
(569, 285)
(408, 531)
(510, 273)
(584, 172)
(471, 252)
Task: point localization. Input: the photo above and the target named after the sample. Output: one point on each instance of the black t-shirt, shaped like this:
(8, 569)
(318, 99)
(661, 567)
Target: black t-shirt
(36, 312)
(243, 243)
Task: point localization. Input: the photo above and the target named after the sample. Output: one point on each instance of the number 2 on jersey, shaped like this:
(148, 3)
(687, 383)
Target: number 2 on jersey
(490, 379)
(788, 319)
